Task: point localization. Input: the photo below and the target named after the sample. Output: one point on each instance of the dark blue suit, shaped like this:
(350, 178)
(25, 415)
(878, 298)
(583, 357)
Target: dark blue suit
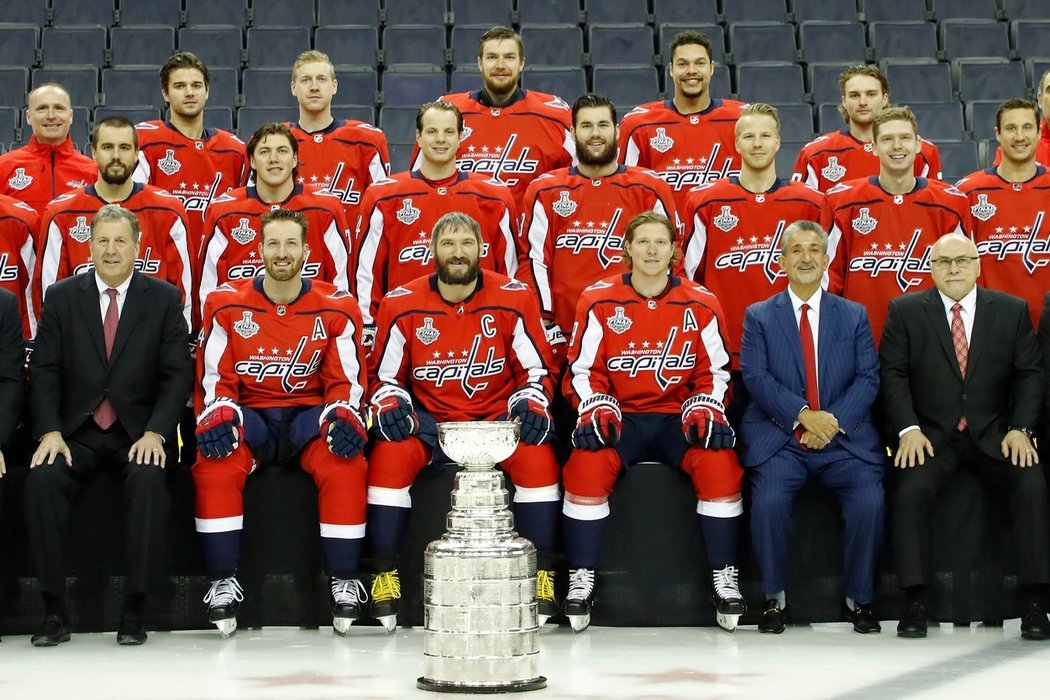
(851, 465)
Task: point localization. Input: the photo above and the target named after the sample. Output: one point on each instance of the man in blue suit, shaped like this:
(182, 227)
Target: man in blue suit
(809, 363)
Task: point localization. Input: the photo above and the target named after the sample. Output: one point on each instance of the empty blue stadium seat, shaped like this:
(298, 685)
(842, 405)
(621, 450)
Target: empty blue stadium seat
(754, 11)
(133, 113)
(980, 118)
(348, 12)
(964, 9)
(349, 44)
(822, 81)
(9, 126)
(466, 78)
(548, 12)
(1034, 68)
(903, 40)
(618, 12)
(14, 85)
(141, 45)
(161, 12)
(131, 86)
(627, 85)
(267, 87)
(567, 82)
(67, 12)
(773, 83)
(398, 123)
(940, 121)
(361, 113)
(958, 159)
(990, 80)
(414, 44)
(829, 118)
(685, 12)
(400, 155)
(465, 41)
(18, 44)
(24, 12)
(282, 13)
(553, 45)
(825, 10)
(895, 11)
(1024, 9)
(223, 87)
(211, 12)
(276, 47)
(918, 82)
(358, 85)
(786, 156)
(796, 122)
(621, 44)
(1031, 38)
(249, 119)
(219, 118)
(68, 45)
(413, 85)
(217, 46)
(397, 12)
(764, 41)
(489, 12)
(832, 41)
(974, 39)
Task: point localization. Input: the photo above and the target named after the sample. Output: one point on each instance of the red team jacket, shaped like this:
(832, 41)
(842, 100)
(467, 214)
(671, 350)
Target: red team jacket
(461, 361)
(195, 170)
(733, 241)
(231, 243)
(398, 215)
(37, 173)
(649, 354)
(685, 150)
(573, 231)
(65, 233)
(18, 226)
(839, 157)
(880, 243)
(264, 355)
(1012, 233)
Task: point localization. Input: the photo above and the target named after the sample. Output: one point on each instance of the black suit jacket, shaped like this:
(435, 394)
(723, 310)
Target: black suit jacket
(12, 358)
(1044, 346)
(148, 378)
(921, 381)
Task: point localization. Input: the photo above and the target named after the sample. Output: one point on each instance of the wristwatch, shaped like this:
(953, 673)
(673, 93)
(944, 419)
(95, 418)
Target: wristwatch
(1028, 432)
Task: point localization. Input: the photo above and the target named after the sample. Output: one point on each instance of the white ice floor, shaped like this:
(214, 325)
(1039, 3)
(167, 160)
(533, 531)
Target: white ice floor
(821, 661)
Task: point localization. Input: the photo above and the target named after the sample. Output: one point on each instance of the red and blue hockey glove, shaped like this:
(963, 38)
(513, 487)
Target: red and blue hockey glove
(704, 423)
(343, 430)
(529, 405)
(217, 429)
(599, 424)
(392, 413)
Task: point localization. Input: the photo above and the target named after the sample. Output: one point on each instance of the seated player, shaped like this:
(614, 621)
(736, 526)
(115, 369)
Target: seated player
(282, 374)
(648, 374)
(463, 344)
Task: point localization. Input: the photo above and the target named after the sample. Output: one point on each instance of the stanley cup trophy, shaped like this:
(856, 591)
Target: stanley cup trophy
(479, 585)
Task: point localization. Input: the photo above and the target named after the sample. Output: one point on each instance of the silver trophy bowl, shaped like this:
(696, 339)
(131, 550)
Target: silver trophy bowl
(478, 445)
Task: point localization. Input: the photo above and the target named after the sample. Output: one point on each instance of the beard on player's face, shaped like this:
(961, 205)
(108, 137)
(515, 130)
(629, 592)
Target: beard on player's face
(465, 275)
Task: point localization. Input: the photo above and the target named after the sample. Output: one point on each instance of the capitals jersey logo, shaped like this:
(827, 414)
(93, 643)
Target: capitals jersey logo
(661, 142)
(408, 214)
(426, 333)
(8, 273)
(466, 370)
(246, 327)
(244, 233)
(726, 220)
(80, 231)
(564, 207)
(619, 323)
(20, 180)
(983, 210)
(658, 360)
(909, 270)
(865, 223)
(1028, 248)
(168, 164)
(348, 195)
(607, 244)
(285, 369)
(833, 172)
(767, 255)
(502, 163)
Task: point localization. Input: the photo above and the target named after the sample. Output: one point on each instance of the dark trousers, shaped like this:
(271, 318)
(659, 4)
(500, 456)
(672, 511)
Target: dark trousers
(916, 490)
(49, 493)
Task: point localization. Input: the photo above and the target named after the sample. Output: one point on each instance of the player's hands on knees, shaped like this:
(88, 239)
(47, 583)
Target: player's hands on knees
(704, 423)
(393, 417)
(912, 450)
(343, 430)
(51, 445)
(218, 433)
(530, 405)
(600, 423)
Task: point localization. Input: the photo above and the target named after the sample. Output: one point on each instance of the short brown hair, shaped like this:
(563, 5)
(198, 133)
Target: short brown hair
(312, 56)
(115, 121)
(501, 33)
(115, 212)
(270, 129)
(1016, 103)
(869, 70)
(292, 215)
(690, 37)
(761, 109)
(441, 106)
(455, 220)
(894, 113)
(650, 217)
(182, 59)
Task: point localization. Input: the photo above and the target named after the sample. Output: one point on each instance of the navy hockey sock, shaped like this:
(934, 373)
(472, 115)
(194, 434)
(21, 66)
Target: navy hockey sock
(386, 529)
(342, 556)
(583, 541)
(720, 539)
(538, 522)
(221, 552)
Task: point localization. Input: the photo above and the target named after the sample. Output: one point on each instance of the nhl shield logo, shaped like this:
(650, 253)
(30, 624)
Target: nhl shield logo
(407, 214)
(983, 210)
(618, 323)
(693, 119)
(318, 138)
(467, 131)
(833, 172)
(246, 327)
(20, 180)
(564, 206)
(80, 231)
(168, 164)
(661, 142)
(726, 220)
(426, 333)
(244, 233)
(865, 224)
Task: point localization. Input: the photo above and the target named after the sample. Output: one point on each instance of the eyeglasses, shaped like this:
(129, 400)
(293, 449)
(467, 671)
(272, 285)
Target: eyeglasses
(962, 262)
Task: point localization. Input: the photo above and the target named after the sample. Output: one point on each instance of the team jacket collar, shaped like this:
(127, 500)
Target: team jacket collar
(920, 184)
(575, 170)
(482, 97)
(715, 104)
(257, 285)
(64, 149)
(205, 135)
(253, 193)
(336, 123)
(135, 189)
(454, 179)
(672, 282)
(777, 184)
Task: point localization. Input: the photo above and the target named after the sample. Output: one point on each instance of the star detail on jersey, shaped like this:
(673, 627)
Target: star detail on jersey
(865, 223)
(564, 207)
(983, 210)
(619, 323)
(833, 172)
(169, 165)
(726, 221)
(20, 180)
(246, 327)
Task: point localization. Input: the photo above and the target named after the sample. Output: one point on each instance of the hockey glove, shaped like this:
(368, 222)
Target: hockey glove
(217, 429)
(529, 405)
(393, 417)
(599, 424)
(343, 430)
(704, 423)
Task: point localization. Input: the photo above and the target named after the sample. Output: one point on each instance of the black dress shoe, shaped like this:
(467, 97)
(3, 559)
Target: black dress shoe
(130, 631)
(773, 618)
(53, 631)
(863, 618)
(1034, 623)
(913, 621)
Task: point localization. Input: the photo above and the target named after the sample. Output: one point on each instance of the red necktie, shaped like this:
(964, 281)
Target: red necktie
(962, 349)
(809, 358)
(104, 415)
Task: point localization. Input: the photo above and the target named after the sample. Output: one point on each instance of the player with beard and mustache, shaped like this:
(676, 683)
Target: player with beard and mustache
(282, 376)
(65, 225)
(575, 217)
(463, 344)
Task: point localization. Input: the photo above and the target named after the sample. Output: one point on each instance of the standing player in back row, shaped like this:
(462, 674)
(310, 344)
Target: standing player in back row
(850, 153)
(512, 135)
(688, 140)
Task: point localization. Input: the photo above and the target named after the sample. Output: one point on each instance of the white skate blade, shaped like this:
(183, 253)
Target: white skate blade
(341, 625)
(727, 622)
(389, 622)
(227, 627)
(579, 622)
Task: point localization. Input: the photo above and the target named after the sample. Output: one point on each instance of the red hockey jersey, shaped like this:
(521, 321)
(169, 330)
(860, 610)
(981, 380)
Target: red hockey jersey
(19, 223)
(461, 361)
(880, 243)
(398, 215)
(65, 233)
(194, 170)
(839, 157)
(1012, 233)
(649, 354)
(514, 143)
(733, 241)
(685, 150)
(231, 242)
(573, 229)
(266, 355)
(37, 173)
